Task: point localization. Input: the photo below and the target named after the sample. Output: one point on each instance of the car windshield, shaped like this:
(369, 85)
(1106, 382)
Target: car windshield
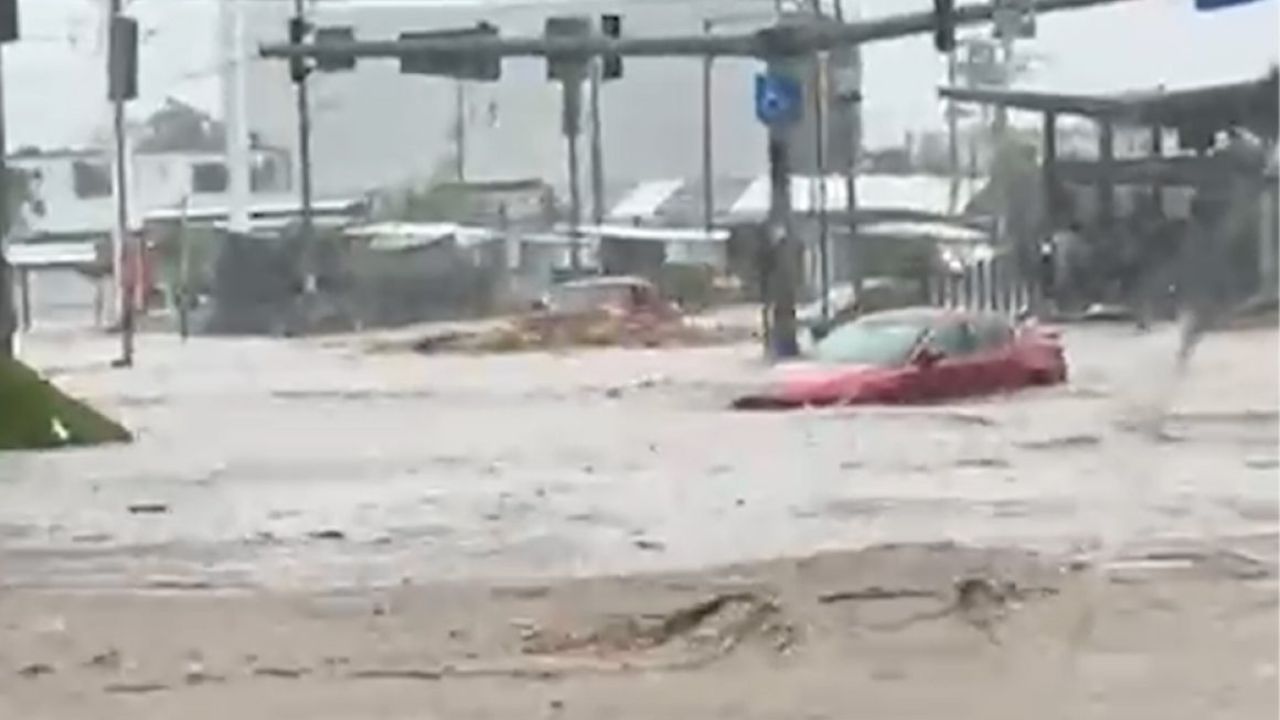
(882, 344)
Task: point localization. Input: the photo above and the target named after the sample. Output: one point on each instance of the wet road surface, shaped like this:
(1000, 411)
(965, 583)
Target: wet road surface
(304, 463)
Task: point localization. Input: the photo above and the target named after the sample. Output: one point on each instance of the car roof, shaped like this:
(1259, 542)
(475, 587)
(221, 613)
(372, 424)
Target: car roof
(931, 316)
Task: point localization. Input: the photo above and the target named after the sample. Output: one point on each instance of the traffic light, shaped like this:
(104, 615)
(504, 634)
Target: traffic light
(944, 32)
(122, 61)
(567, 68)
(1014, 19)
(611, 64)
(463, 65)
(332, 63)
(8, 20)
(298, 29)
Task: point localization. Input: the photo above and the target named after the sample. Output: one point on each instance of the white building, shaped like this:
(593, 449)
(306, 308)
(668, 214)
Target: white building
(71, 189)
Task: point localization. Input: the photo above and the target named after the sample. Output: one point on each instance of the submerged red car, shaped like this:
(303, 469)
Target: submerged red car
(916, 355)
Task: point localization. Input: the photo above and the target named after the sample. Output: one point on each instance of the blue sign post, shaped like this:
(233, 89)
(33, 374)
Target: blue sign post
(779, 99)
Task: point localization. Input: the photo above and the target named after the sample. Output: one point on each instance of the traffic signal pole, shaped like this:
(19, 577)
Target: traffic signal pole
(302, 100)
(127, 258)
(772, 44)
(595, 81)
(784, 251)
(571, 110)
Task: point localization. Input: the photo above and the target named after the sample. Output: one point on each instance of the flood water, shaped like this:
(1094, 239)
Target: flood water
(297, 463)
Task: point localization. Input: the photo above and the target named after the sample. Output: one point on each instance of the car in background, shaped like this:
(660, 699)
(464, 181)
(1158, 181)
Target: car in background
(617, 294)
(916, 355)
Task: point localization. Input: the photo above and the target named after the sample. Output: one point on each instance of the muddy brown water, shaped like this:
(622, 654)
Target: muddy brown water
(302, 463)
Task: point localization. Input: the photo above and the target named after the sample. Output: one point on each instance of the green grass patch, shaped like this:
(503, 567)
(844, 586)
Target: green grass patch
(35, 415)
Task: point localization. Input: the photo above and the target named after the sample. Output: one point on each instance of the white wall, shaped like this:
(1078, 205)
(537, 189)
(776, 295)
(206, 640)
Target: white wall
(158, 180)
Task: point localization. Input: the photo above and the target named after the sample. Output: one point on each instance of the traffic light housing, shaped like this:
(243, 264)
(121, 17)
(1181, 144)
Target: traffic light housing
(568, 67)
(611, 64)
(298, 29)
(461, 65)
(944, 32)
(331, 63)
(8, 20)
(122, 61)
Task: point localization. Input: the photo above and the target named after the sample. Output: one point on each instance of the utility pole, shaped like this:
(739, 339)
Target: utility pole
(597, 148)
(571, 111)
(571, 70)
(783, 247)
(122, 86)
(460, 129)
(849, 92)
(234, 115)
(820, 141)
(708, 190)
(953, 136)
(299, 29)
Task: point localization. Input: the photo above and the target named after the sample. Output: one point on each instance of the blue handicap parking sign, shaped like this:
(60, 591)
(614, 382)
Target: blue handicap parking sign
(778, 99)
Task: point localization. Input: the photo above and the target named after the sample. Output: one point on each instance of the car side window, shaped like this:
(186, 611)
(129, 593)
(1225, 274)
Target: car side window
(953, 340)
(993, 334)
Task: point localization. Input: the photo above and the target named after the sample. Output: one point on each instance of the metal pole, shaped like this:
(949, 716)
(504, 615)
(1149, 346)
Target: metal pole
(820, 130)
(708, 191)
(597, 148)
(126, 270)
(1006, 78)
(460, 128)
(782, 338)
(184, 273)
(304, 173)
(24, 292)
(234, 105)
(572, 104)
(953, 139)
(7, 319)
(852, 98)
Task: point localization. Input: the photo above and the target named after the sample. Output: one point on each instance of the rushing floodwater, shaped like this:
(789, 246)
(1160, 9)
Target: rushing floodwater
(302, 462)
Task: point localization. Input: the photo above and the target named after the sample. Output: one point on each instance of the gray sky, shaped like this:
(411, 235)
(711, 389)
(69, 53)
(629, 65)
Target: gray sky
(54, 76)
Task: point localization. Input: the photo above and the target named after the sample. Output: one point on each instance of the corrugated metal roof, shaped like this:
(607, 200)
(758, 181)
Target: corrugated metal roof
(925, 193)
(391, 236)
(945, 232)
(644, 199)
(655, 234)
(52, 254)
(276, 204)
